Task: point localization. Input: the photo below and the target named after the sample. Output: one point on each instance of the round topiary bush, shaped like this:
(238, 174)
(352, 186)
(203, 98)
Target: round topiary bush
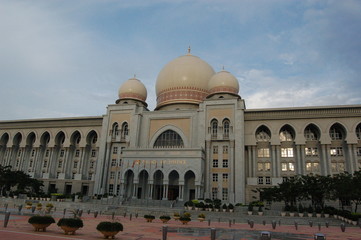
(71, 222)
(41, 220)
(109, 227)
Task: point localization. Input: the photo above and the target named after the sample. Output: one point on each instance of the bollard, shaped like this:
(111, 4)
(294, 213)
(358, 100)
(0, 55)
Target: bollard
(130, 217)
(219, 219)
(251, 224)
(319, 236)
(6, 206)
(265, 235)
(20, 207)
(327, 224)
(165, 231)
(274, 224)
(319, 226)
(113, 213)
(213, 234)
(279, 222)
(296, 225)
(80, 212)
(343, 227)
(88, 211)
(209, 222)
(64, 211)
(6, 219)
(125, 214)
(310, 223)
(230, 223)
(234, 221)
(95, 214)
(264, 222)
(136, 215)
(33, 209)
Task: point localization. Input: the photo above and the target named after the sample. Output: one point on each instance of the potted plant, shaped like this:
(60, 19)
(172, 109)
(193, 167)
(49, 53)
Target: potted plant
(301, 210)
(201, 217)
(164, 218)
(224, 207)
(176, 216)
(293, 209)
(318, 212)
(39, 206)
(28, 205)
(70, 225)
(250, 209)
(217, 207)
(109, 229)
(185, 218)
(260, 210)
(41, 222)
(210, 207)
(49, 206)
(230, 207)
(149, 218)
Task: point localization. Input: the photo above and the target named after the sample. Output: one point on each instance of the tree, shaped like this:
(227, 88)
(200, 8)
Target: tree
(317, 189)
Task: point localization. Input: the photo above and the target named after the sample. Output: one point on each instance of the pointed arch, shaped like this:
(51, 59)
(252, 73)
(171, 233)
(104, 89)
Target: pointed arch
(287, 133)
(75, 138)
(124, 130)
(226, 127)
(312, 132)
(214, 128)
(4, 139)
(337, 132)
(60, 138)
(45, 139)
(17, 139)
(30, 139)
(358, 131)
(263, 134)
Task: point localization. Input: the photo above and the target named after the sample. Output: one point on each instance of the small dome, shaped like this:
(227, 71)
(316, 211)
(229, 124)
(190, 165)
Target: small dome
(133, 89)
(223, 82)
(183, 80)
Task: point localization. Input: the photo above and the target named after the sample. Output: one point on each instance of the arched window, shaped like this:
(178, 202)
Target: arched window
(115, 130)
(169, 139)
(125, 130)
(263, 134)
(358, 131)
(226, 128)
(336, 132)
(286, 134)
(311, 133)
(214, 128)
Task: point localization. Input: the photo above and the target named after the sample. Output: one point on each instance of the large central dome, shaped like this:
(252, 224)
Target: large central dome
(183, 80)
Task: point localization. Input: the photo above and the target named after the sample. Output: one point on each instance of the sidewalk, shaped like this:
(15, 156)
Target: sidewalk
(139, 229)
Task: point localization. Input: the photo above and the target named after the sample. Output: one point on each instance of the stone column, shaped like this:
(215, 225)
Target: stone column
(350, 159)
(299, 166)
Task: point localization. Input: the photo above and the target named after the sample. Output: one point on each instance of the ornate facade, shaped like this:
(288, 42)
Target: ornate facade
(199, 142)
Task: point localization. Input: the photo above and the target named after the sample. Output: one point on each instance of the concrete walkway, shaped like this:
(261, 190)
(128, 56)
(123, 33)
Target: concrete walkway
(139, 229)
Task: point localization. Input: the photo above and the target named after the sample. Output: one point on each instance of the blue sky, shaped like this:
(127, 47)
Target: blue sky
(69, 58)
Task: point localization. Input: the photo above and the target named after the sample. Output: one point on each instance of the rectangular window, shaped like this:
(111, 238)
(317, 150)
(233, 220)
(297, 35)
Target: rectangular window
(73, 176)
(115, 150)
(17, 163)
(75, 165)
(92, 164)
(90, 176)
(19, 153)
(267, 167)
(309, 167)
(114, 162)
(311, 151)
(33, 153)
(224, 194)
(45, 164)
(260, 167)
(336, 151)
(121, 150)
(94, 153)
(118, 189)
(214, 193)
(111, 188)
(263, 152)
(77, 153)
(225, 163)
(286, 152)
(284, 167)
(215, 163)
(225, 149)
(291, 167)
(334, 167)
(268, 180)
(215, 177)
(260, 180)
(225, 177)
(62, 153)
(215, 149)
(47, 153)
(31, 163)
(120, 162)
(57, 174)
(112, 175)
(341, 167)
(60, 164)
(316, 167)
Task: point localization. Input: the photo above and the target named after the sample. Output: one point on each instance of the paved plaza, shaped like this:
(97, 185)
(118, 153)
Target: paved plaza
(139, 229)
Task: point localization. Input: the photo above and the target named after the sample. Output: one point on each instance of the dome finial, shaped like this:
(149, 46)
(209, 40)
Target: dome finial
(189, 49)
